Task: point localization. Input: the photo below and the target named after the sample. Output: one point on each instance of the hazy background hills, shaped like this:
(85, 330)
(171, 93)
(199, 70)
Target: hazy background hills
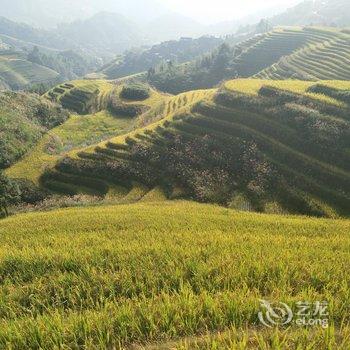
(316, 12)
(121, 24)
(113, 26)
(49, 13)
(78, 37)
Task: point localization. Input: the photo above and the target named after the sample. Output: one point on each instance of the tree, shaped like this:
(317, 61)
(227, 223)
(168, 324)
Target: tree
(35, 56)
(222, 62)
(9, 193)
(263, 26)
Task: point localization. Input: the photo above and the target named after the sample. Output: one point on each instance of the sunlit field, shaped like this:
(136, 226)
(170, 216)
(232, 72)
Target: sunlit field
(171, 273)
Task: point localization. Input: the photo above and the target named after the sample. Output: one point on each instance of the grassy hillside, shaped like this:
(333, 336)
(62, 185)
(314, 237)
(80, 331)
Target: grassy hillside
(270, 146)
(24, 119)
(168, 275)
(18, 73)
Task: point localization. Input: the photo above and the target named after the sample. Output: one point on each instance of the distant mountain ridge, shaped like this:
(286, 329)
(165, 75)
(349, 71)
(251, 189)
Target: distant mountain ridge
(105, 33)
(102, 35)
(316, 12)
(49, 13)
(166, 27)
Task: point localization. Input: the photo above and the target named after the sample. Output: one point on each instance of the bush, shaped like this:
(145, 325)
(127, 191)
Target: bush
(121, 109)
(30, 193)
(24, 118)
(127, 110)
(136, 92)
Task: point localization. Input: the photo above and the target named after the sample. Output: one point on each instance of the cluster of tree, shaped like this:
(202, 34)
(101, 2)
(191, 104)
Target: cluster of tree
(130, 92)
(135, 91)
(19, 191)
(207, 69)
(178, 51)
(205, 72)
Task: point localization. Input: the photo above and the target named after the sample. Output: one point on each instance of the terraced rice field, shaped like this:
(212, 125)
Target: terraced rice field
(80, 131)
(322, 55)
(253, 86)
(82, 96)
(186, 99)
(260, 52)
(272, 115)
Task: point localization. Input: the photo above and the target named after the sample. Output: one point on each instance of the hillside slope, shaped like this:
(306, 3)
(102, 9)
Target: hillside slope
(253, 144)
(17, 73)
(147, 274)
(24, 119)
(93, 119)
(140, 60)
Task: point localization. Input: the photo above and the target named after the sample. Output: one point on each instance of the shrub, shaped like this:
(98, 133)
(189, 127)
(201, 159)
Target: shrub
(136, 92)
(30, 193)
(24, 118)
(59, 90)
(120, 109)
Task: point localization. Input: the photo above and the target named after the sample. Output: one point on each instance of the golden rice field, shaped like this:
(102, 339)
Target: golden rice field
(252, 86)
(168, 275)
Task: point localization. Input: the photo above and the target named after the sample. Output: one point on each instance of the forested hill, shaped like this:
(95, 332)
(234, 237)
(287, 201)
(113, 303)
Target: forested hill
(177, 51)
